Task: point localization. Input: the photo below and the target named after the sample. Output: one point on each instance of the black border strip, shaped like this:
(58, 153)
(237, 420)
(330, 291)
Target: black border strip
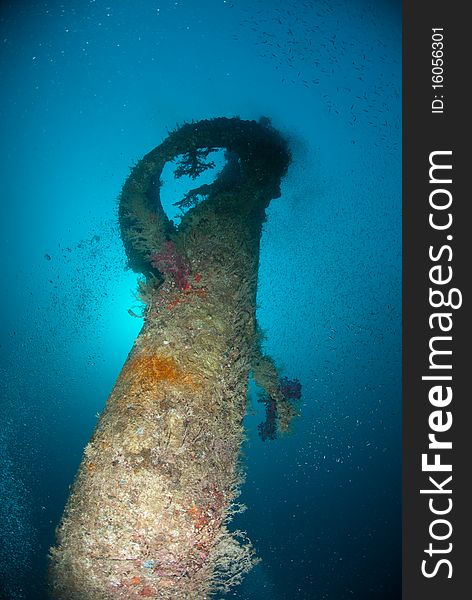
(425, 132)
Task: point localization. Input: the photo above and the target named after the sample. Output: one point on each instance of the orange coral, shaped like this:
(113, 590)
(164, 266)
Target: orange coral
(150, 369)
(188, 290)
(201, 522)
(174, 303)
(198, 516)
(147, 592)
(193, 512)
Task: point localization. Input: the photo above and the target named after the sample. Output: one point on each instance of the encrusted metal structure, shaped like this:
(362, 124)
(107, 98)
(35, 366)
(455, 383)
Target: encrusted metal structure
(148, 512)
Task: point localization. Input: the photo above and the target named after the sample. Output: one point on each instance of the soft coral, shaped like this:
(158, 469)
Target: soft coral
(268, 429)
(169, 262)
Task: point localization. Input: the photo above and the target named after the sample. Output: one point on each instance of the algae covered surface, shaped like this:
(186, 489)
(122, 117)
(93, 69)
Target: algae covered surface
(149, 511)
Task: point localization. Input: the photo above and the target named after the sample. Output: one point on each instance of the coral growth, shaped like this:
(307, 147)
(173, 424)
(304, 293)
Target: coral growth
(291, 389)
(278, 393)
(268, 429)
(279, 408)
(193, 197)
(147, 370)
(148, 513)
(169, 262)
(193, 163)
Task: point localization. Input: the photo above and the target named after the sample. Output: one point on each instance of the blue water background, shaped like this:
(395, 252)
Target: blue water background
(88, 87)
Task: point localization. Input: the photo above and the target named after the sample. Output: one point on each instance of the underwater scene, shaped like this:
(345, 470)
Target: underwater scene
(200, 362)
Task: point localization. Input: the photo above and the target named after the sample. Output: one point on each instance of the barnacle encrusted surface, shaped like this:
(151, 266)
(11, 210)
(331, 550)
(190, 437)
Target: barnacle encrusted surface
(148, 512)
